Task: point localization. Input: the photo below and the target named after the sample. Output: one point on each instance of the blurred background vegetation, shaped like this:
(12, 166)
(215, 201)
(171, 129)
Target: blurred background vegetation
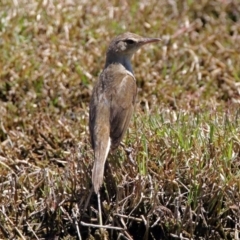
(185, 137)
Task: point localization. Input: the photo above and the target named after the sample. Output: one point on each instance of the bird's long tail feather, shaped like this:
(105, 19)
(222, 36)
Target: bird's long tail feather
(100, 155)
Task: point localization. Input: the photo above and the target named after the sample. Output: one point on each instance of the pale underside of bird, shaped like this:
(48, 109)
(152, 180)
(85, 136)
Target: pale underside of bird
(113, 100)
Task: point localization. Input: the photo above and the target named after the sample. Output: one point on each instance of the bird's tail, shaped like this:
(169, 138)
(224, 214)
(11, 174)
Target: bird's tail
(100, 155)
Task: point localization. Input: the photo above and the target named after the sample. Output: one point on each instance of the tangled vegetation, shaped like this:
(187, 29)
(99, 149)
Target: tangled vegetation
(182, 177)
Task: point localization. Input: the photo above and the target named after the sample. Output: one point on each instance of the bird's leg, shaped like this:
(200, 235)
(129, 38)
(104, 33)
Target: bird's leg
(99, 209)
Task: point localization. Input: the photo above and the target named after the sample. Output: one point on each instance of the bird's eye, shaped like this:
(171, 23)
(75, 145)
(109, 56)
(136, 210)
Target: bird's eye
(129, 41)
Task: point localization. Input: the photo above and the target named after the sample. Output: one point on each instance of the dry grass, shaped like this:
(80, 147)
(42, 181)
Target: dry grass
(184, 182)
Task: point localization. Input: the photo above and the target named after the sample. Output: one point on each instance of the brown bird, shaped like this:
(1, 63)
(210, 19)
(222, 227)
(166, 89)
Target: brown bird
(113, 99)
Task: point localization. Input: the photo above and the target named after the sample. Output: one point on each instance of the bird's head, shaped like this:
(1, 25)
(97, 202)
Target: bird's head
(127, 44)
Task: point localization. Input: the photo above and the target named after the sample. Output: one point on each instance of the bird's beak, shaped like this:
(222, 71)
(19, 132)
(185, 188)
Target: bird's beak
(148, 40)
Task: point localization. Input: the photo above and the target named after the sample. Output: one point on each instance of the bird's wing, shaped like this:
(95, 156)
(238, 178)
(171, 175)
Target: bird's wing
(99, 125)
(99, 113)
(122, 98)
(112, 103)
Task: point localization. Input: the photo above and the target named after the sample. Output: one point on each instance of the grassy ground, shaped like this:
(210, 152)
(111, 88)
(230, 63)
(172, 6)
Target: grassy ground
(182, 180)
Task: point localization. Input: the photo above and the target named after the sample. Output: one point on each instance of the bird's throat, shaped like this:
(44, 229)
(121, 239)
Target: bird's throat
(123, 60)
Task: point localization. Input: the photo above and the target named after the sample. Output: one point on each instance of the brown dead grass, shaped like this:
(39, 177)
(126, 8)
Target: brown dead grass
(184, 180)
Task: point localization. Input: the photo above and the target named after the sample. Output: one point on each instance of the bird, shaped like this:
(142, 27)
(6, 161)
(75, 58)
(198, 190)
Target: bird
(113, 100)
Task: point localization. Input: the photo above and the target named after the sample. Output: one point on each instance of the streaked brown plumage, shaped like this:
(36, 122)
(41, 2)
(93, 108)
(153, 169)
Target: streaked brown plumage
(113, 100)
